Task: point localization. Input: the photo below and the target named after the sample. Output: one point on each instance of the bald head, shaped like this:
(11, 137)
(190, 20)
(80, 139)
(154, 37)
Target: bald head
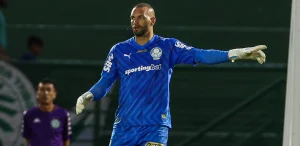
(142, 19)
(148, 7)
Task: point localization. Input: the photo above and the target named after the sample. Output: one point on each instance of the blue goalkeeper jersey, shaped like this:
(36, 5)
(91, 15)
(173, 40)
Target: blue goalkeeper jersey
(145, 72)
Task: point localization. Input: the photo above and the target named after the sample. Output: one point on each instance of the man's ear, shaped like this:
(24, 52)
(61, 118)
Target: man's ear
(153, 21)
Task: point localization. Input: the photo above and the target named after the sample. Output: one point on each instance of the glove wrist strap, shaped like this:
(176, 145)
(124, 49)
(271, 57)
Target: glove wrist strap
(233, 54)
(88, 96)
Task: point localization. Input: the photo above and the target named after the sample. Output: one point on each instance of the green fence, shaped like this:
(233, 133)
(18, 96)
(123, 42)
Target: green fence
(87, 30)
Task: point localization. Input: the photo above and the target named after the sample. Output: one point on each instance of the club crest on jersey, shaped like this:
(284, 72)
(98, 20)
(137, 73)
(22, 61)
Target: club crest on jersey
(55, 123)
(156, 53)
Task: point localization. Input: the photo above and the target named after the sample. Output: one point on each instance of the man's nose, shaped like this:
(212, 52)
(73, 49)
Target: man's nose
(135, 22)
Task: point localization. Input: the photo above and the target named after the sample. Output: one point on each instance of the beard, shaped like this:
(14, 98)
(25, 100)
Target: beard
(141, 32)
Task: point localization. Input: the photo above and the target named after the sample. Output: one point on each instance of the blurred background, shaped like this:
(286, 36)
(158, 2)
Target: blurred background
(235, 104)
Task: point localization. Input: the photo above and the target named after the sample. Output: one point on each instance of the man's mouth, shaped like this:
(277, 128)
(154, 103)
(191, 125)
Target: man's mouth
(136, 27)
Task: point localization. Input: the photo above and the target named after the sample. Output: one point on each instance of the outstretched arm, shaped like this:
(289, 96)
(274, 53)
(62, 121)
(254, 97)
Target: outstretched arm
(182, 53)
(217, 56)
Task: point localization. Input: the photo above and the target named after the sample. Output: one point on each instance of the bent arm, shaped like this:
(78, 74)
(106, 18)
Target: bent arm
(101, 88)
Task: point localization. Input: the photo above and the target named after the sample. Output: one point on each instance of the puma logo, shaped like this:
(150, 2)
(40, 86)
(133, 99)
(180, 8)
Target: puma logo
(127, 55)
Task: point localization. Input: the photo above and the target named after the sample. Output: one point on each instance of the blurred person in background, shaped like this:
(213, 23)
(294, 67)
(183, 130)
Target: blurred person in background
(47, 124)
(34, 46)
(144, 64)
(3, 43)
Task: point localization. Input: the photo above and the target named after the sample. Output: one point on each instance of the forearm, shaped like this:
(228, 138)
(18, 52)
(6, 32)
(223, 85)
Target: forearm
(100, 89)
(211, 56)
(67, 143)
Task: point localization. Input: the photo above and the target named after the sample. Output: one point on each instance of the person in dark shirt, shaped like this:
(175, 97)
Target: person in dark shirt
(47, 124)
(34, 45)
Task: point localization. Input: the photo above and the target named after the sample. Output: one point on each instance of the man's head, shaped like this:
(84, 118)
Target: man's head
(142, 19)
(46, 92)
(35, 44)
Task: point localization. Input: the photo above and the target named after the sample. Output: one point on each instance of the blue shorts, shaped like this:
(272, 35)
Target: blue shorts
(139, 136)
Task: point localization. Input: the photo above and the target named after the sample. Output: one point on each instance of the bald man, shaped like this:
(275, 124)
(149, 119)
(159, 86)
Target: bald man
(144, 64)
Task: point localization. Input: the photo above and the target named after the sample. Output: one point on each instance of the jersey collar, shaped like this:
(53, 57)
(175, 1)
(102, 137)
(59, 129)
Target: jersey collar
(142, 46)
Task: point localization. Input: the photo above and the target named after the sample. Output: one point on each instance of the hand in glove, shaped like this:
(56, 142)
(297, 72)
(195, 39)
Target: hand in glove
(253, 53)
(83, 101)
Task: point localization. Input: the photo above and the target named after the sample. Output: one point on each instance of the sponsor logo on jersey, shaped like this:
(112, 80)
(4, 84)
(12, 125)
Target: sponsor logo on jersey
(36, 120)
(179, 44)
(143, 68)
(108, 63)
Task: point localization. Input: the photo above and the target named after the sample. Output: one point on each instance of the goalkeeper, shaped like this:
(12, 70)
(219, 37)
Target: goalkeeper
(144, 64)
